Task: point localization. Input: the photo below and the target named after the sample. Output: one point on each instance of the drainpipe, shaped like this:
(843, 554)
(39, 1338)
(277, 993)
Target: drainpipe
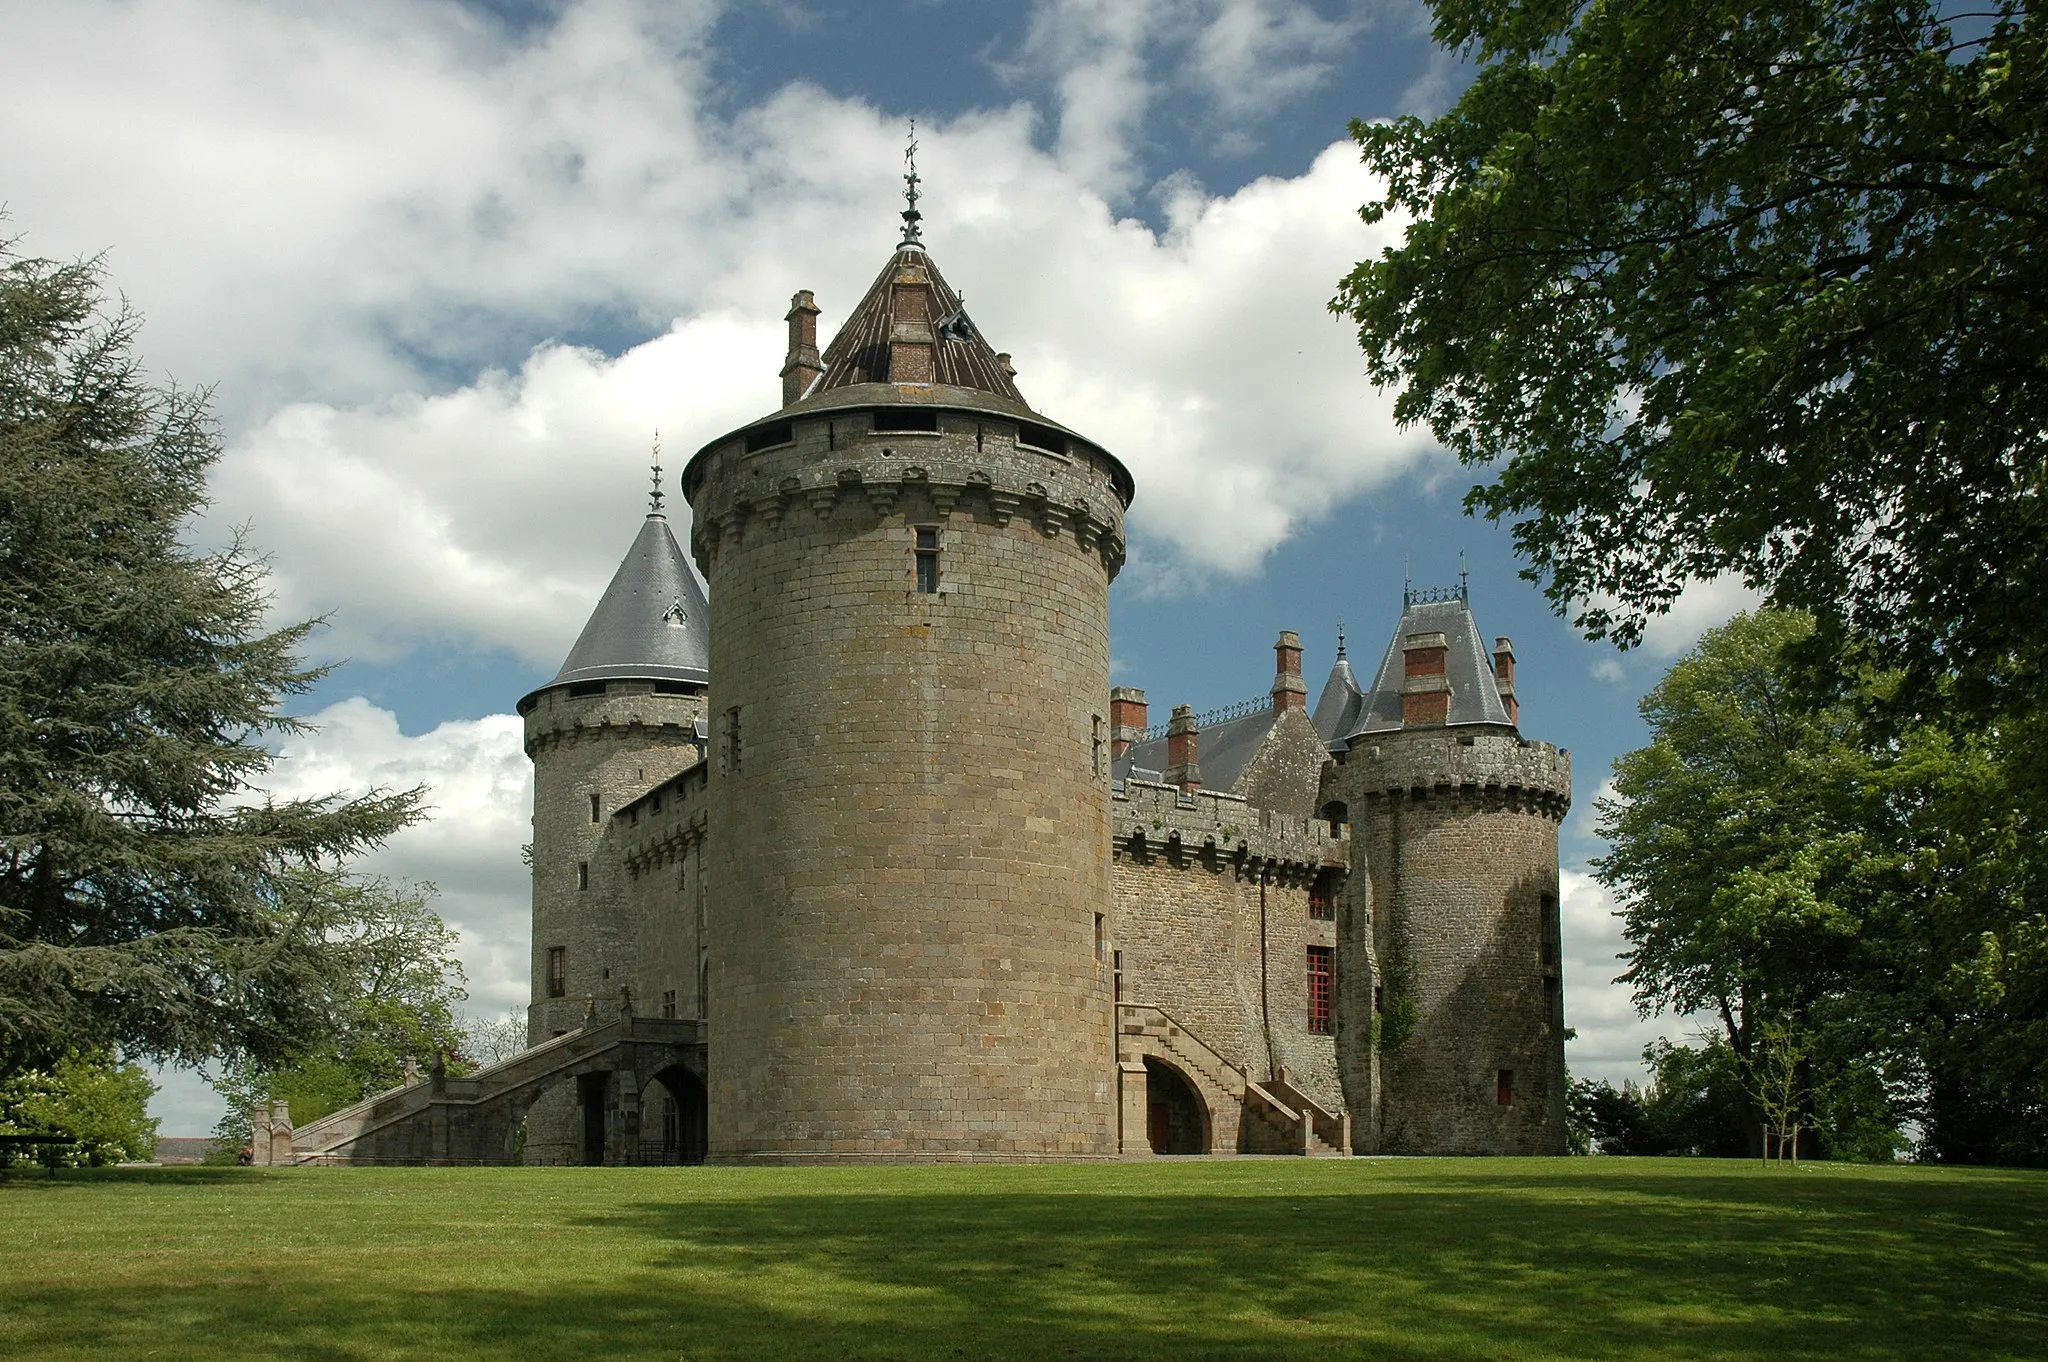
(1265, 986)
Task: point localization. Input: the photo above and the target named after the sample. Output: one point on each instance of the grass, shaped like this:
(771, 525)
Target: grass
(1168, 1259)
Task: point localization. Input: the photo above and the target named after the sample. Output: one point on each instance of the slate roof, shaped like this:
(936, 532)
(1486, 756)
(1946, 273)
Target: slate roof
(961, 358)
(1221, 752)
(1475, 699)
(652, 623)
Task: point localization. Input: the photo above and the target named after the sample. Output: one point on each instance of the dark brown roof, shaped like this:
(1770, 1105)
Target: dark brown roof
(961, 359)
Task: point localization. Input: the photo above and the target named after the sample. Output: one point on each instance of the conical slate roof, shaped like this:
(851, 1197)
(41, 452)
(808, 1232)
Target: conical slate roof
(1475, 698)
(960, 358)
(651, 623)
(1336, 712)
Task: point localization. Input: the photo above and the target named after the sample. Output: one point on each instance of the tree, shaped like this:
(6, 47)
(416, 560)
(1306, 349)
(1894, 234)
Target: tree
(396, 1010)
(1715, 287)
(1828, 889)
(492, 1040)
(98, 1105)
(151, 900)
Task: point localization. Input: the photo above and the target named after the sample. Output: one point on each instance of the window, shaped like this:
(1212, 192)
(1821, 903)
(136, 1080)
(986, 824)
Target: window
(1504, 1088)
(1546, 928)
(1099, 942)
(900, 418)
(1322, 897)
(769, 436)
(729, 760)
(583, 874)
(1379, 997)
(1338, 814)
(583, 690)
(927, 561)
(1042, 437)
(593, 809)
(1319, 961)
(668, 1002)
(558, 973)
(1116, 976)
(1098, 747)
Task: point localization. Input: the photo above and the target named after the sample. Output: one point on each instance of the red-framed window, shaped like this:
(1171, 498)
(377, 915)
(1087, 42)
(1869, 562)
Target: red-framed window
(1320, 960)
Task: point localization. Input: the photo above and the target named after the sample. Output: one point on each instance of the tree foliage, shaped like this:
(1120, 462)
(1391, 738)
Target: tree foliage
(1863, 896)
(151, 898)
(1715, 287)
(397, 1008)
(98, 1105)
(1693, 1104)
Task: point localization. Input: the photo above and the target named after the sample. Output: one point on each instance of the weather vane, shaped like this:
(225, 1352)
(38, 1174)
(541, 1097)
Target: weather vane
(912, 233)
(654, 468)
(1340, 640)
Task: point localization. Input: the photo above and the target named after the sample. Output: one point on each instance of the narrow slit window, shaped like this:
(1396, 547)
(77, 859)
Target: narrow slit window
(583, 874)
(1504, 1087)
(1319, 962)
(927, 561)
(593, 808)
(734, 746)
(1116, 976)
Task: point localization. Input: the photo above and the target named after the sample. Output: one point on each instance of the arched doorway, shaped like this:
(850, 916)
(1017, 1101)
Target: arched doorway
(1177, 1122)
(673, 1125)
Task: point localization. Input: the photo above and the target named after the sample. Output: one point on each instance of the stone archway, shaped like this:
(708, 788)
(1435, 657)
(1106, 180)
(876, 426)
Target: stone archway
(1177, 1120)
(673, 1118)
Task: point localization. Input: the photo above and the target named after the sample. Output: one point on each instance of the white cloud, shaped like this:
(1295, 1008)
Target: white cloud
(1609, 669)
(1611, 1035)
(1700, 607)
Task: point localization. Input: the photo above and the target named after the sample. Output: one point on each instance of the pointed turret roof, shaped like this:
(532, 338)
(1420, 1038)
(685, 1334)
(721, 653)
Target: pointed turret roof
(1475, 697)
(1336, 711)
(961, 358)
(651, 624)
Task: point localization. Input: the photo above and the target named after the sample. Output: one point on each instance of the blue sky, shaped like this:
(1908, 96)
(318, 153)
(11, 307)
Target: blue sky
(449, 266)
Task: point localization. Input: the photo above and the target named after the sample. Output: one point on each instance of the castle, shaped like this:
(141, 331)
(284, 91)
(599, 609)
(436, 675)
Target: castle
(863, 859)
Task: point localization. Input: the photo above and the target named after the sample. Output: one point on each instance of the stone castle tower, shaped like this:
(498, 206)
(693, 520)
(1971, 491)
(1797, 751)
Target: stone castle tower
(624, 713)
(908, 772)
(1455, 819)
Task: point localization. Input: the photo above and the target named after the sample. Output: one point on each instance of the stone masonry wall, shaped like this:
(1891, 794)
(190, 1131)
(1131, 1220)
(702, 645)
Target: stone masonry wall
(1458, 834)
(907, 790)
(1209, 889)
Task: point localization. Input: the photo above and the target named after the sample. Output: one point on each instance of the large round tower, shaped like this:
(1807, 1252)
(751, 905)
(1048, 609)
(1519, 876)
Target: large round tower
(1455, 818)
(621, 716)
(909, 764)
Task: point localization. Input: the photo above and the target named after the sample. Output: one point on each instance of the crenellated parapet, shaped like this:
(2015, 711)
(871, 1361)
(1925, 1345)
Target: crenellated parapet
(636, 712)
(664, 825)
(1487, 769)
(1216, 830)
(835, 462)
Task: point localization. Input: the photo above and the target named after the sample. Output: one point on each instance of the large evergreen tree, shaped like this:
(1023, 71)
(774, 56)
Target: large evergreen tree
(151, 898)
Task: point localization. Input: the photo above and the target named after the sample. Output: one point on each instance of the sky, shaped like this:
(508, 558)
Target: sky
(449, 267)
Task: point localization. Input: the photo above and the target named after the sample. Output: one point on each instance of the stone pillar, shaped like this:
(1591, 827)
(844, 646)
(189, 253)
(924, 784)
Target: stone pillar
(1289, 691)
(1127, 710)
(1135, 1107)
(1181, 742)
(280, 1133)
(1425, 684)
(801, 366)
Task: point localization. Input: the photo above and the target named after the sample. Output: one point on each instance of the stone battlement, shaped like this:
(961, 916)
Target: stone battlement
(1490, 767)
(662, 824)
(969, 461)
(1214, 824)
(622, 710)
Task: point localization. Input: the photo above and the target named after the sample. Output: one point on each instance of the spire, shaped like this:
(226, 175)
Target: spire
(654, 497)
(652, 623)
(913, 234)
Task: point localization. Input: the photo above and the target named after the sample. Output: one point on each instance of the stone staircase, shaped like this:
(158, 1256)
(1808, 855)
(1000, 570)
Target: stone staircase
(1278, 1117)
(473, 1118)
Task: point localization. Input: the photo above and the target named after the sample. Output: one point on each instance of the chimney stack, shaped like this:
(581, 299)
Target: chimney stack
(910, 337)
(1425, 682)
(1180, 750)
(1289, 691)
(1126, 719)
(801, 366)
(1504, 677)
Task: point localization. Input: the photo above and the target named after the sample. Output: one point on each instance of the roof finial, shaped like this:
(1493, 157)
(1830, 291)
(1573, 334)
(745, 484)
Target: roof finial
(1464, 582)
(1340, 640)
(654, 467)
(913, 235)
(1407, 584)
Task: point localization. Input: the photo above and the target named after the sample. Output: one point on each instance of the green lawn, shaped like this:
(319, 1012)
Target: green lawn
(1170, 1259)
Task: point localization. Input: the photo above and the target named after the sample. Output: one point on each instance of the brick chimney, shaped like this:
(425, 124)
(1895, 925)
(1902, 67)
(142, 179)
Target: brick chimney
(1289, 691)
(1126, 719)
(801, 366)
(1504, 677)
(1425, 682)
(910, 338)
(1181, 769)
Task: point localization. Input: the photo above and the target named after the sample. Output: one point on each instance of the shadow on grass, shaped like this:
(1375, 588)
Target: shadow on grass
(1433, 1263)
